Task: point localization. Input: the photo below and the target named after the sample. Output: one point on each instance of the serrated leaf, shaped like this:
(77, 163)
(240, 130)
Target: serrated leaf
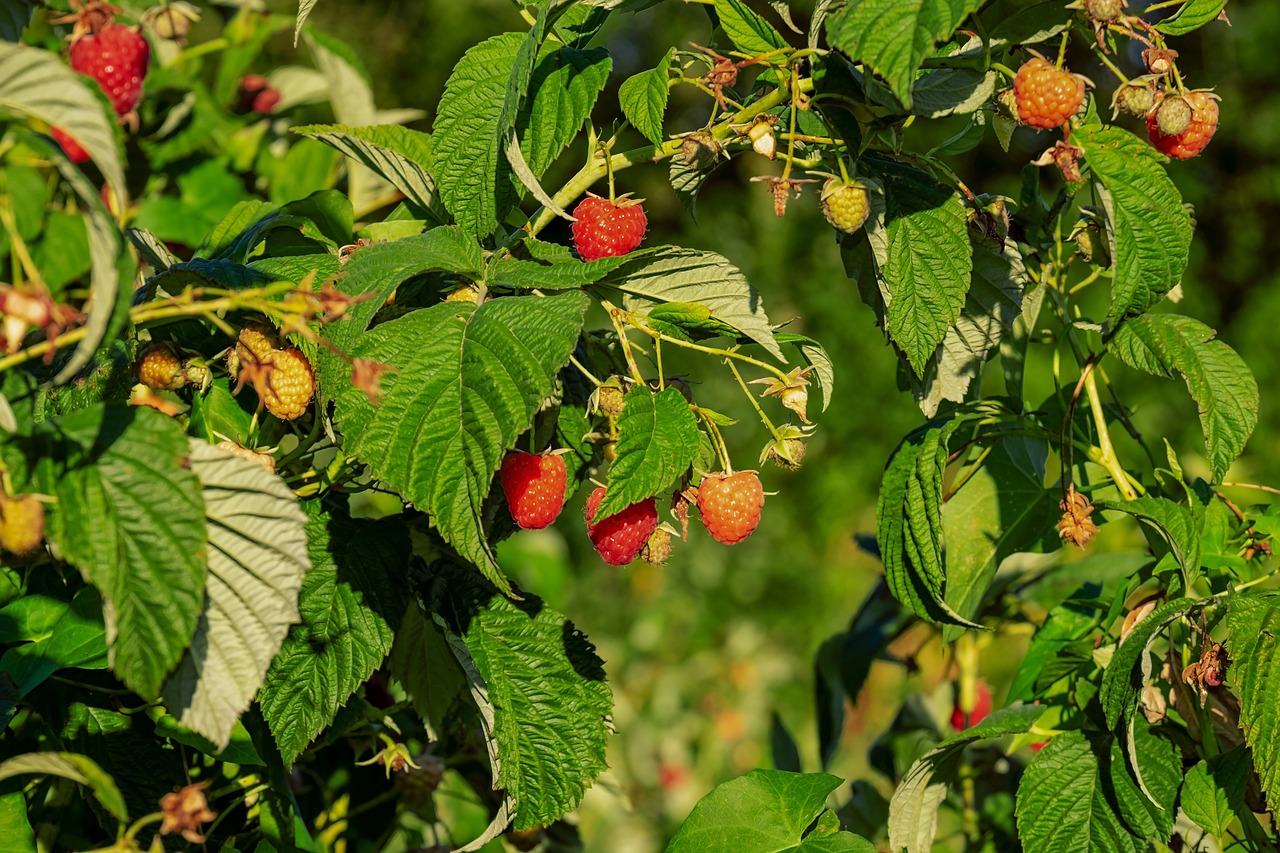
(78, 768)
(401, 156)
(257, 558)
(424, 665)
(1126, 675)
(304, 10)
(543, 684)
(951, 91)
(655, 276)
(749, 32)
(1155, 765)
(643, 98)
(1148, 228)
(657, 441)
(131, 518)
(1174, 523)
(893, 37)
(469, 380)
(1192, 16)
(1065, 800)
(1009, 22)
(913, 811)
(564, 88)
(1254, 624)
(1219, 380)
(351, 604)
(766, 811)
(687, 180)
(924, 259)
(1205, 801)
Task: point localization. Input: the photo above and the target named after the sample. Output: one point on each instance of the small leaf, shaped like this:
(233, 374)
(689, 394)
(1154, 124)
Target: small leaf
(256, 563)
(1219, 380)
(1174, 523)
(47, 634)
(749, 32)
(766, 811)
(657, 441)
(304, 9)
(951, 91)
(1149, 229)
(1192, 16)
(78, 768)
(15, 828)
(643, 98)
(1205, 801)
(816, 357)
(1254, 623)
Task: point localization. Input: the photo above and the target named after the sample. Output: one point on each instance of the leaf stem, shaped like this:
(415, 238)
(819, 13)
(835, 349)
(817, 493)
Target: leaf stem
(1109, 459)
(659, 336)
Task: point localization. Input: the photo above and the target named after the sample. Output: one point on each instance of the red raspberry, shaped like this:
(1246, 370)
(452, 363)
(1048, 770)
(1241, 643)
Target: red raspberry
(69, 145)
(620, 538)
(257, 95)
(1189, 143)
(116, 57)
(1046, 96)
(730, 505)
(981, 707)
(535, 487)
(607, 230)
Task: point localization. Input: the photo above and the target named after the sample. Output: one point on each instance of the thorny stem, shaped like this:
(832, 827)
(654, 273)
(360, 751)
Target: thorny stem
(1062, 48)
(1114, 70)
(791, 137)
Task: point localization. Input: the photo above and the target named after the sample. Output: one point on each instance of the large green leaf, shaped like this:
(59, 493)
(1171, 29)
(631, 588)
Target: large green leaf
(1148, 228)
(1213, 791)
(1067, 799)
(45, 634)
(1130, 666)
(469, 380)
(257, 557)
(1174, 523)
(657, 441)
(768, 811)
(15, 828)
(1254, 623)
(78, 768)
(422, 662)
(913, 811)
(654, 277)
(643, 98)
(923, 257)
(131, 518)
(400, 155)
(893, 37)
(351, 603)
(749, 32)
(564, 87)
(1219, 381)
(541, 689)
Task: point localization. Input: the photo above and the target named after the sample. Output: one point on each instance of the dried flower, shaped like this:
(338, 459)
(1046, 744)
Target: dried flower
(184, 811)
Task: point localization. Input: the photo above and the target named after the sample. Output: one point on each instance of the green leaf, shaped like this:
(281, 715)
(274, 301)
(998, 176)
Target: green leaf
(239, 749)
(643, 99)
(816, 357)
(1130, 667)
(1148, 228)
(401, 156)
(767, 811)
(1205, 801)
(652, 277)
(1067, 623)
(1174, 523)
(924, 259)
(351, 604)
(548, 273)
(131, 518)
(564, 87)
(15, 15)
(77, 768)
(541, 689)
(1066, 800)
(47, 634)
(749, 32)
(424, 665)
(894, 37)
(657, 441)
(913, 811)
(469, 382)
(304, 9)
(1156, 766)
(1002, 509)
(257, 558)
(952, 91)
(1254, 624)
(1192, 16)
(15, 828)
(1009, 22)
(1219, 380)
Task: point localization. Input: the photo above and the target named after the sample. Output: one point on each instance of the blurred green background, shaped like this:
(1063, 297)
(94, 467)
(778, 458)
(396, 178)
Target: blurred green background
(702, 653)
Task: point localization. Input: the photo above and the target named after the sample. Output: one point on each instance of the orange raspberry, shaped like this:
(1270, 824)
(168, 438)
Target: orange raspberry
(1199, 130)
(1046, 96)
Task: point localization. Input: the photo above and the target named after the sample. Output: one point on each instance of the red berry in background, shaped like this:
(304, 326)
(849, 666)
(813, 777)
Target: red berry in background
(1189, 143)
(535, 486)
(1046, 96)
(981, 707)
(69, 145)
(257, 95)
(117, 57)
(606, 230)
(620, 538)
(730, 505)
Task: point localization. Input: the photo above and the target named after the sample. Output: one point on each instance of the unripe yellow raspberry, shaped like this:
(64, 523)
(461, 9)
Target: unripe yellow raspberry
(289, 384)
(21, 523)
(160, 368)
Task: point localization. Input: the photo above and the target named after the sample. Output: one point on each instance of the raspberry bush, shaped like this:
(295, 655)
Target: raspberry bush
(280, 374)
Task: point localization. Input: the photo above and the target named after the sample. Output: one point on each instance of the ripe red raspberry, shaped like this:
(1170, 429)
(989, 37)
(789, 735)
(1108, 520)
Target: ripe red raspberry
(730, 505)
(620, 538)
(257, 95)
(1046, 96)
(981, 707)
(70, 147)
(1189, 143)
(535, 487)
(117, 57)
(607, 230)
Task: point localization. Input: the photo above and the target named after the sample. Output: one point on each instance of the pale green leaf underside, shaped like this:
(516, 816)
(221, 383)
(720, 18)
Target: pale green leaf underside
(257, 557)
(401, 156)
(469, 380)
(304, 9)
(1219, 380)
(78, 768)
(643, 99)
(1174, 523)
(1254, 623)
(657, 441)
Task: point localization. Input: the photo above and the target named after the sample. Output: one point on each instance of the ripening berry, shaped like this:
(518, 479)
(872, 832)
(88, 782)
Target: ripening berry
(117, 57)
(981, 708)
(1046, 96)
(1173, 116)
(535, 487)
(621, 537)
(730, 505)
(74, 151)
(160, 367)
(1104, 11)
(607, 230)
(21, 523)
(289, 384)
(845, 204)
(1192, 140)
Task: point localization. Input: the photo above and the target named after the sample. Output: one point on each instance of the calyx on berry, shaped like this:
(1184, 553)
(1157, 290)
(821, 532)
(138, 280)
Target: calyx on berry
(792, 390)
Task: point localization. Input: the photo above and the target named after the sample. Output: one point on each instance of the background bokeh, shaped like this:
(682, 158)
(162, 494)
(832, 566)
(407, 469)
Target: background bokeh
(703, 653)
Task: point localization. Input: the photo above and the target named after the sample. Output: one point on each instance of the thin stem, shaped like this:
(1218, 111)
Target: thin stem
(722, 450)
(1261, 488)
(1062, 48)
(755, 404)
(1114, 70)
(1109, 458)
(587, 373)
(626, 343)
(659, 336)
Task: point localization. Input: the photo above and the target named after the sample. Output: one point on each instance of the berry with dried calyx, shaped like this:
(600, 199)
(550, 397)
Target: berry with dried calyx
(1076, 525)
(1136, 97)
(610, 398)
(792, 390)
(700, 150)
(763, 140)
(1160, 60)
(21, 523)
(1199, 131)
(535, 485)
(620, 538)
(657, 550)
(606, 229)
(160, 367)
(117, 57)
(1046, 96)
(1104, 11)
(730, 505)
